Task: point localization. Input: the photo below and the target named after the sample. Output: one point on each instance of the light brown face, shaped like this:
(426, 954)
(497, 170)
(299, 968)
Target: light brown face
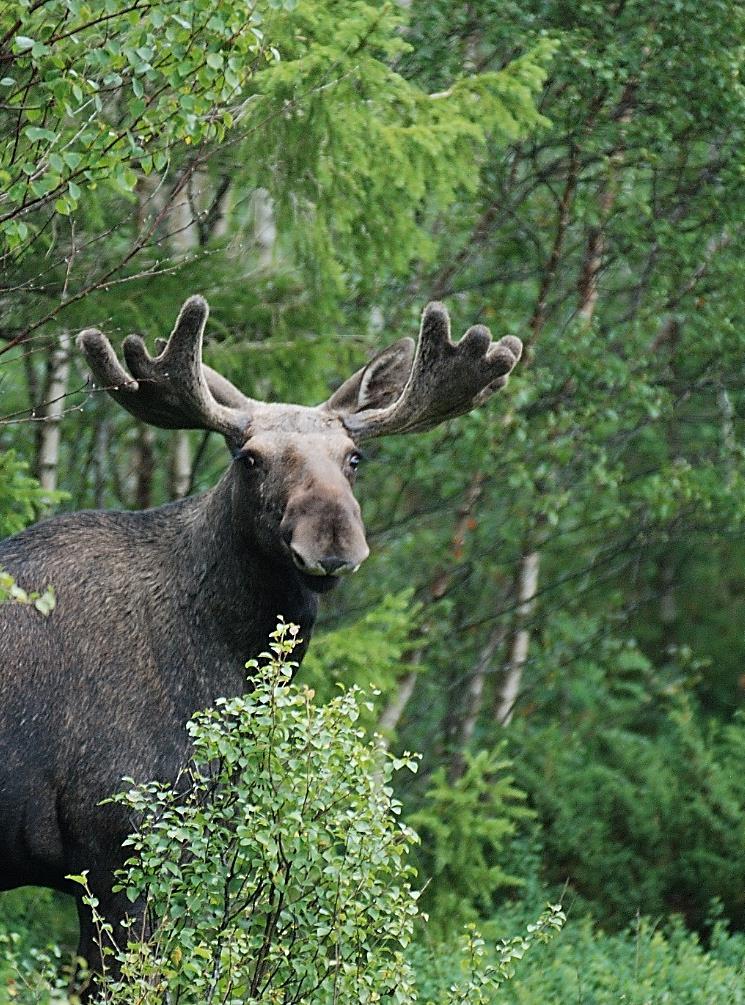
(297, 468)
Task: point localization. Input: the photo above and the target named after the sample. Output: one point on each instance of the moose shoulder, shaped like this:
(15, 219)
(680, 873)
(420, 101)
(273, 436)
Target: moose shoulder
(158, 611)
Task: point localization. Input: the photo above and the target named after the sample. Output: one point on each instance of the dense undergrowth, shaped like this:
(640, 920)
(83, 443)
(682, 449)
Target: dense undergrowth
(284, 844)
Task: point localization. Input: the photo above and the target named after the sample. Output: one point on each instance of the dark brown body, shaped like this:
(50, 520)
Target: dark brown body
(157, 613)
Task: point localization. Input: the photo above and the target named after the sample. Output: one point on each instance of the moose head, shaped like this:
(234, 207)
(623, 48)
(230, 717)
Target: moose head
(294, 466)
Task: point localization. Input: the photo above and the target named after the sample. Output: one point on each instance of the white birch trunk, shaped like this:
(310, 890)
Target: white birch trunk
(527, 588)
(265, 227)
(183, 226)
(474, 701)
(393, 711)
(395, 708)
(184, 236)
(51, 432)
(180, 464)
(729, 440)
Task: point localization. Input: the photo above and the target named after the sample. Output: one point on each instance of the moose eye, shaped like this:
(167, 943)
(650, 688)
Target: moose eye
(354, 460)
(246, 457)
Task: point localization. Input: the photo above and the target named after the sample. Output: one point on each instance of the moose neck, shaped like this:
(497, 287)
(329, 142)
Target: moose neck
(237, 590)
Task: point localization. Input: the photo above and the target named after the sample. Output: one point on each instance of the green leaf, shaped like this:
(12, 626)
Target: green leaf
(45, 604)
(36, 133)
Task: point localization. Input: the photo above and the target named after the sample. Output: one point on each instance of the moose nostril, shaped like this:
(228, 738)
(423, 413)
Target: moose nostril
(332, 565)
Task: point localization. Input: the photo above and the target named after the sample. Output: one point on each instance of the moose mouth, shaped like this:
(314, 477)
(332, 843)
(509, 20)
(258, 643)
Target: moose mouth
(318, 584)
(322, 574)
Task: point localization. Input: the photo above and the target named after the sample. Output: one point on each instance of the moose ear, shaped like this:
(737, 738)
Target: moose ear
(376, 385)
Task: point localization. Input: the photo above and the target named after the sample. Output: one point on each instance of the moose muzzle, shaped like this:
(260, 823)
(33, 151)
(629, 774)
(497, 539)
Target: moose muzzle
(325, 537)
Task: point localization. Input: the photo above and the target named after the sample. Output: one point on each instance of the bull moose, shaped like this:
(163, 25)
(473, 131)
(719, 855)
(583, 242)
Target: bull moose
(158, 611)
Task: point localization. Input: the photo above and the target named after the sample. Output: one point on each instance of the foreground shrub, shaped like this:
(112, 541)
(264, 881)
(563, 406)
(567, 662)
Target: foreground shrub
(275, 869)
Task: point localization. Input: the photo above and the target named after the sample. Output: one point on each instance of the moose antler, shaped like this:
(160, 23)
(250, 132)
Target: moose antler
(173, 390)
(444, 379)
(404, 389)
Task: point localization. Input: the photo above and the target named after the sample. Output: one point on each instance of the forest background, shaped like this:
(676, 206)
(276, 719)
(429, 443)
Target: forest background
(552, 612)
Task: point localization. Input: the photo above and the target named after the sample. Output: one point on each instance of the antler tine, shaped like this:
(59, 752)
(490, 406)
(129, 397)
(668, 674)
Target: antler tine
(220, 387)
(171, 390)
(445, 380)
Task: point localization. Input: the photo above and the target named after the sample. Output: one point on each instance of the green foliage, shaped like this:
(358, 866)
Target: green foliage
(374, 172)
(33, 968)
(642, 823)
(276, 867)
(455, 151)
(464, 827)
(11, 592)
(22, 499)
(100, 92)
(36, 913)
(647, 964)
(481, 972)
(34, 976)
(367, 653)
(644, 964)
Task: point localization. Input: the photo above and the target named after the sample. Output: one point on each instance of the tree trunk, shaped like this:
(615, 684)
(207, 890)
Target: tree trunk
(218, 214)
(529, 564)
(180, 465)
(183, 215)
(51, 432)
(265, 227)
(100, 465)
(392, 713)
(527, 588)
(183, 231)
(588, 288)
(474, 700)
(729, 439)
(144, 467)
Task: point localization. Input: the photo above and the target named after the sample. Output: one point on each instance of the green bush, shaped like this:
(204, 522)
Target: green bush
(465, 828)
(33, 969)
(643, 965)
(22, 499)
(276, 867)
(642, 823)
(480, 972)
